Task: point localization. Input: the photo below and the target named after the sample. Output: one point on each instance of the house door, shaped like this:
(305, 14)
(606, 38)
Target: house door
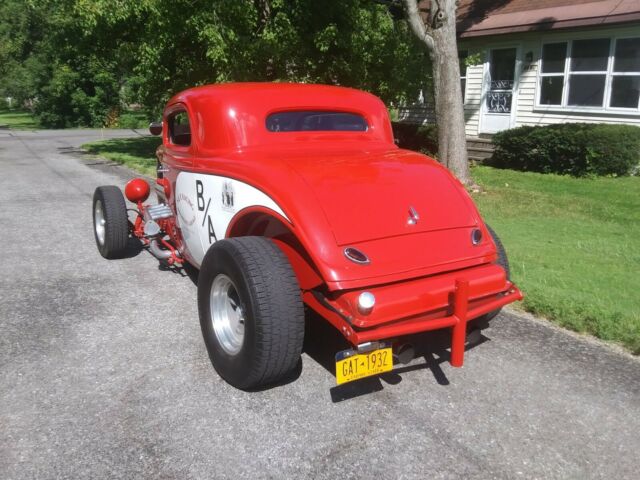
(499, 88)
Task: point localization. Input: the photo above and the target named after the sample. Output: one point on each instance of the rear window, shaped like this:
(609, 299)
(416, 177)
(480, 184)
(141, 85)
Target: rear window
(316, 121)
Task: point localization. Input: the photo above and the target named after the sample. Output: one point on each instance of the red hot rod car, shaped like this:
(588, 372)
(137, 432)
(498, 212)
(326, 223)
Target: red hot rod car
(286, 195)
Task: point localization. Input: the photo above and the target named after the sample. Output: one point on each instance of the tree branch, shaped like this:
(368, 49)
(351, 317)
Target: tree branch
(416, 23)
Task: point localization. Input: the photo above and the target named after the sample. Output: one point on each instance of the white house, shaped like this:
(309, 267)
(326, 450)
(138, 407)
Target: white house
(547, 61)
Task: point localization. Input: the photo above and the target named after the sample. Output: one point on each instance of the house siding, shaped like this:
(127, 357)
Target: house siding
(526, 111)
(473, 99)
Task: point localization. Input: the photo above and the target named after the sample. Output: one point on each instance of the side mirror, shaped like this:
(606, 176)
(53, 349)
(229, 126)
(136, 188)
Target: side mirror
(155, 128)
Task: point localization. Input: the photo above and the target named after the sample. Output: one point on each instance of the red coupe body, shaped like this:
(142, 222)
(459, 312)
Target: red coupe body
(320, 194)
(288, 194)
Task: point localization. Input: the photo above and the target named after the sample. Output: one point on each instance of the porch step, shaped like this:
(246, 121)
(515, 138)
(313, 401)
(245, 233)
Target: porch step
(479, 149)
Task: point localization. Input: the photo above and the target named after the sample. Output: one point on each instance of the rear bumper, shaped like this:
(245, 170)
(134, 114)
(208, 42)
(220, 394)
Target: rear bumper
(432, 303)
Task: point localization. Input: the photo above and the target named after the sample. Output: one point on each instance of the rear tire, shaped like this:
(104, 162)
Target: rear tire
(503, 261)
(251, 312)
(110, 222)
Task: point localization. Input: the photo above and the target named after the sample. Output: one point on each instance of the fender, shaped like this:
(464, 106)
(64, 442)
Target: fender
(261, 221)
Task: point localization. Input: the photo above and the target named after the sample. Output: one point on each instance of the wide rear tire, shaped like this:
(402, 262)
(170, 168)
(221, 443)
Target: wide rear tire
(110, 221)
(251, 312)
(503, 261)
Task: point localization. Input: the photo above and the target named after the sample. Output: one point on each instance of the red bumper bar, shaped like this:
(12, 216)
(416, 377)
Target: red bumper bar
(458, 320)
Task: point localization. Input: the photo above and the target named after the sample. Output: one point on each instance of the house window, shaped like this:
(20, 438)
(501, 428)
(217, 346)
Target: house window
(590, 74)
(462, 59)
(625, 77)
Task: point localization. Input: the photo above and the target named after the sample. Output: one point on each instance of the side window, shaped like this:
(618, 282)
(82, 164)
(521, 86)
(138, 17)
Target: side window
(179, 129)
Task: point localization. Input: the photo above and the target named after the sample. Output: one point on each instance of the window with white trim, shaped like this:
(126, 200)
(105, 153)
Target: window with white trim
(590, 74)
(625, 75)
(462, 60)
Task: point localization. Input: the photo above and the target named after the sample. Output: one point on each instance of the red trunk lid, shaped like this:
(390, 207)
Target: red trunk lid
(369, 195)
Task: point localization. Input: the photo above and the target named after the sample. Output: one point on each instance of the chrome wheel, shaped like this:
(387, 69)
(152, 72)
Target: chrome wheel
(227, 314)
(99, 222)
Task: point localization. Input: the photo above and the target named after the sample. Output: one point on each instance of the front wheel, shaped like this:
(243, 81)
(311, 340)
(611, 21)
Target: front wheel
(110, 221)
(251, 311)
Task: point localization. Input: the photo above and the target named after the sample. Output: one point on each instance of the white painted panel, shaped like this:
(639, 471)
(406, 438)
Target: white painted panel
(473, 99)
(206, 204)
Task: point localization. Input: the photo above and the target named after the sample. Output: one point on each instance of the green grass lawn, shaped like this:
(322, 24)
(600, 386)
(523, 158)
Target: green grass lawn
(574, 247)
(136, 153)
(23, 120)
(18, 119)
(573, 244)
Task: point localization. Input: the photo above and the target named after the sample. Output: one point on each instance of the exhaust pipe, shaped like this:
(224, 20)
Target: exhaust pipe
(157, 251)
(153, 232)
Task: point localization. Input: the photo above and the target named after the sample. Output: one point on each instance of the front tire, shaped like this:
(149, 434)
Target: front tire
(251, 312)
(110, 221)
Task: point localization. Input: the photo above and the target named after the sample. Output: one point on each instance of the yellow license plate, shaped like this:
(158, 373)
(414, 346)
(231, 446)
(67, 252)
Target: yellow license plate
(362, 365)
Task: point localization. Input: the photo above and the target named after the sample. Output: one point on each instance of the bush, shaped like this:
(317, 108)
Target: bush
(133, 120)
(423, 138)
(577, 149)
(74, 98)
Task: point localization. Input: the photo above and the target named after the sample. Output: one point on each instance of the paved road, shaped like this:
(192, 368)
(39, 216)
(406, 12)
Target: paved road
(103, 372)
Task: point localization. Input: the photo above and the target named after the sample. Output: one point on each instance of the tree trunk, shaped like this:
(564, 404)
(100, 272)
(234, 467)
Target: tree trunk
(439, 36)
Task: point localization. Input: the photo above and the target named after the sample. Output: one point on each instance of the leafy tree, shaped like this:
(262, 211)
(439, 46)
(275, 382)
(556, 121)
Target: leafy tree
(82, 61)
(21, 30)
(438, 34)
(352, 42)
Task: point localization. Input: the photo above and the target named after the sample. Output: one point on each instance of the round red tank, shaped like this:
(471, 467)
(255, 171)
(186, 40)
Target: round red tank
(137, 190)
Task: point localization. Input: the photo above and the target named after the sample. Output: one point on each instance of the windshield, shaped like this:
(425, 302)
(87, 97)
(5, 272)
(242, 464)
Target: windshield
(314, 121)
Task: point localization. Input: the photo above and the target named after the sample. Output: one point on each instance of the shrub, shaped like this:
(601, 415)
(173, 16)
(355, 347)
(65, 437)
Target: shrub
(613, 149)
(423, 138)
(577, 149)
(74, 98)
(133, 120)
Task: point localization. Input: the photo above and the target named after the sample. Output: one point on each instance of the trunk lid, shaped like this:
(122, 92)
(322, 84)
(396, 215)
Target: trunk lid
(372, 195)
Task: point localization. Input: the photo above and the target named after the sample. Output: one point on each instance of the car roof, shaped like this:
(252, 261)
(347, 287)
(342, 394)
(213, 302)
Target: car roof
(259, 89)
(233, 115)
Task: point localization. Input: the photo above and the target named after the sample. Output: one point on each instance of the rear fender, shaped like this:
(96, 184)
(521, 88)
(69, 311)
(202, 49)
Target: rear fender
(262, 222)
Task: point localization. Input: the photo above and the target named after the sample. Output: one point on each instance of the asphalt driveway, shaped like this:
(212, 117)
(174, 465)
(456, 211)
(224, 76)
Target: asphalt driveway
(104, 374)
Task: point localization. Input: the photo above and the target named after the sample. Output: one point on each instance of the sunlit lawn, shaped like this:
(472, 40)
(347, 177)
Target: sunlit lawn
(18, 119)
(574, 246)
(136, 153)
(24, 120)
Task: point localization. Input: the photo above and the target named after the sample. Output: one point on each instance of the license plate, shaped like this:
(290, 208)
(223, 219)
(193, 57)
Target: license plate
(354, 366)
